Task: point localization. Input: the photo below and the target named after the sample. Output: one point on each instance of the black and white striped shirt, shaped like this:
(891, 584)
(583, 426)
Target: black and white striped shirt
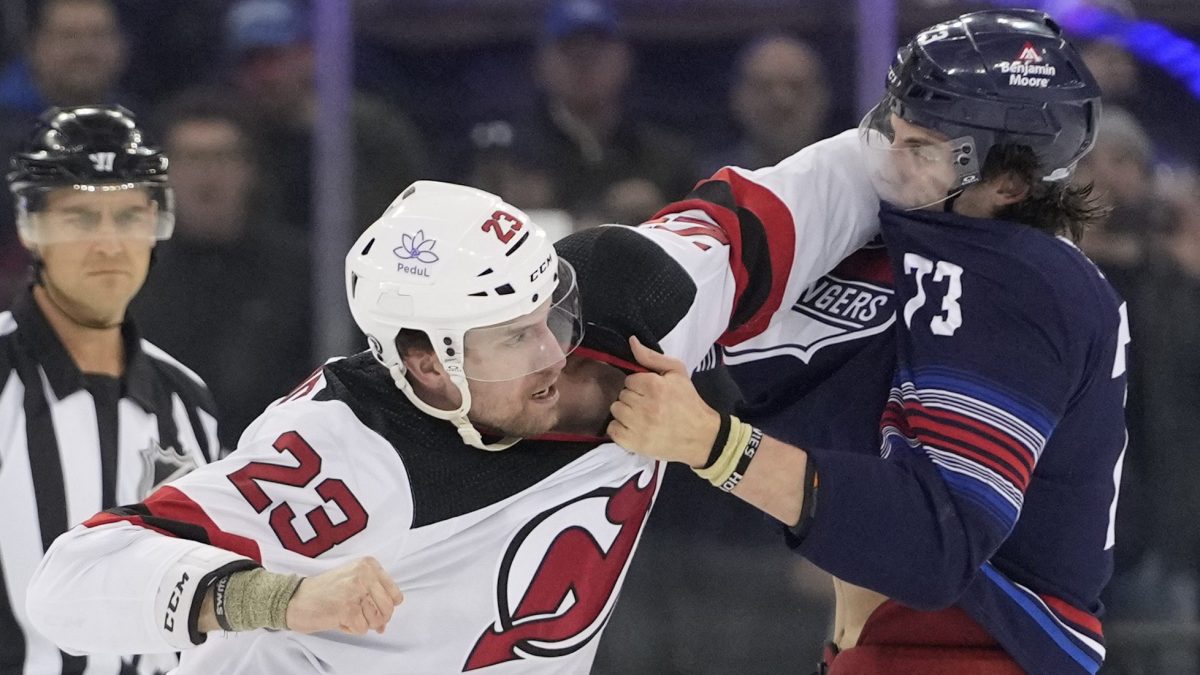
(72, 444)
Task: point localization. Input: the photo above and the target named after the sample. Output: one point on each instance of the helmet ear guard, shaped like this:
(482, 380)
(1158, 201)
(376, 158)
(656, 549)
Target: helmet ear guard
(462, 266)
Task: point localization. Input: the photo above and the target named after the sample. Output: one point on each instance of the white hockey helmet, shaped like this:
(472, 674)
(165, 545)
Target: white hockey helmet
(449, 260)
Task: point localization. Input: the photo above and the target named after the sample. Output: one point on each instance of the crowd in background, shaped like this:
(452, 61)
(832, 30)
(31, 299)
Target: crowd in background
(230, 293)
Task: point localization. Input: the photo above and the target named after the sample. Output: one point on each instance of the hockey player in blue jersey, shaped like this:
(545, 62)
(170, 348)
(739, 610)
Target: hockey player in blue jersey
(973, 531)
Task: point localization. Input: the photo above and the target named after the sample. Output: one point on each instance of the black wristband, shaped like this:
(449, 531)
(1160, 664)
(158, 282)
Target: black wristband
(743, 464)
(718, 443)
(808, 508)
(219, 589)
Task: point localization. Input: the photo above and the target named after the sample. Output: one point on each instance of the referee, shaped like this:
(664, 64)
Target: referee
(91, 416)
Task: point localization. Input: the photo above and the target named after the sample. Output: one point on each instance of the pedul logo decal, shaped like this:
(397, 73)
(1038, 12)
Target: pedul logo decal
(416, 247)
(559, 577)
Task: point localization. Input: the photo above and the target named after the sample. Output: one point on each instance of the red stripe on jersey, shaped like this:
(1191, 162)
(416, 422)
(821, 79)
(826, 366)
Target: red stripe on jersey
(726, 220)
(950, 438)
(988, 437)
(893, 416)
(697, 221)
(696, 228)
(611, 360)
(571, 438)
(780, 231)
(1074, 615)
(977, 433)
(168, 502)
(933, 432)
(104, 518)
(696, 231)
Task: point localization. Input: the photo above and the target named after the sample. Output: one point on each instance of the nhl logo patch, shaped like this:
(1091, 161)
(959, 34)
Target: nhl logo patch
(161, 466)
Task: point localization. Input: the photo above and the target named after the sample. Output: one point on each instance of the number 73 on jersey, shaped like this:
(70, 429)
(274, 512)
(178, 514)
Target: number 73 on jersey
(949, 319)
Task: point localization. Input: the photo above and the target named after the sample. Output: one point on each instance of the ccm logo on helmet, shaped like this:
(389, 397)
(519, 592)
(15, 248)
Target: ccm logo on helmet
(541, 269)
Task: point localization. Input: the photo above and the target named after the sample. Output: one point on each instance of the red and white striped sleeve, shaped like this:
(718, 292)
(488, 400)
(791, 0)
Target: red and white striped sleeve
(780, 227)
(127, 580)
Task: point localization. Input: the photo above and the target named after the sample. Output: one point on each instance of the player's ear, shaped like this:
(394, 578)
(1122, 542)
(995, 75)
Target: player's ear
(429, 379)
(1010, 189)
(424, 368)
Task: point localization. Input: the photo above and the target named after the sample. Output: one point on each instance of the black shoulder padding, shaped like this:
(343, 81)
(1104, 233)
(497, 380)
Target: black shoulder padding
(628, 286)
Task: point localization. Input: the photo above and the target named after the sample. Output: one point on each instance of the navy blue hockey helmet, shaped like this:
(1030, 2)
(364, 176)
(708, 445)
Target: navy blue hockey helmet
(995, 77)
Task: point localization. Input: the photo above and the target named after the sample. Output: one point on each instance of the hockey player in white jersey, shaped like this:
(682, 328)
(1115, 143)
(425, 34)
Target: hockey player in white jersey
(346, 492)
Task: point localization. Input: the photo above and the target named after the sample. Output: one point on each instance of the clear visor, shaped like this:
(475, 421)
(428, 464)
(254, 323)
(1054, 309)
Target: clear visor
(72, 213)
(529, 343)
(913, 167)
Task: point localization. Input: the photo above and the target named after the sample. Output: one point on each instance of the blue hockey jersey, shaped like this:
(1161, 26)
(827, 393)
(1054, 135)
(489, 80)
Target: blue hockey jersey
(1001, 440)
(960, 387)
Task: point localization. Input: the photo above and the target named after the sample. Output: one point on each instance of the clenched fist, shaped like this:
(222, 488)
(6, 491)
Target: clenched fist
(659, 414)
(354, 598)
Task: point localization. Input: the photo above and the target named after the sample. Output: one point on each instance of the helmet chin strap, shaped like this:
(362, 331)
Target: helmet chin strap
(948, 205)
(457, 417)
(947, 202)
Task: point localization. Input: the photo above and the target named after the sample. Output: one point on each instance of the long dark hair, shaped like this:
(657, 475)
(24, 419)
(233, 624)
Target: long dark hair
(1052, 207)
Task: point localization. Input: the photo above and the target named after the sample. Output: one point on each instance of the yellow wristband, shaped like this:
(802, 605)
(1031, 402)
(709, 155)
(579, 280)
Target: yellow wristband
(739, 435)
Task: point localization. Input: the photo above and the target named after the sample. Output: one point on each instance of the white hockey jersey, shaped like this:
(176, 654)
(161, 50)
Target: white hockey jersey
(507, 559)
(509, 562)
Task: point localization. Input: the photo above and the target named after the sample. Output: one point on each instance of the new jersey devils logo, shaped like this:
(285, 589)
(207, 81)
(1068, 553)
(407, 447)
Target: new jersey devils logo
(571, 592)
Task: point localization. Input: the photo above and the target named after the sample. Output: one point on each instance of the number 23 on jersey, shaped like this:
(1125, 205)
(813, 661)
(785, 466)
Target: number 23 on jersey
(249, 479)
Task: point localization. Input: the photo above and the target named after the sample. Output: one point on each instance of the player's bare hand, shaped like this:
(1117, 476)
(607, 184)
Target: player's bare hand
(354, 598)
(660, 414)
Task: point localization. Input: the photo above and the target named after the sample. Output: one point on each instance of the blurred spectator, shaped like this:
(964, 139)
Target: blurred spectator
(270, 47)
(520, 173)
(75, 56)
(781, 101)
(1168, 121)
(607, 164)
(1121, 168)
(230, 290)
(1115, 69)
(1149, 248)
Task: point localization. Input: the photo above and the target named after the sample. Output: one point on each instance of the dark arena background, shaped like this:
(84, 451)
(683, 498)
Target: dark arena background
(331, 107)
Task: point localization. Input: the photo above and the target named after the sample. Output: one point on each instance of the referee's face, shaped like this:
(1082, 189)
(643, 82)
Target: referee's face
(96, 276)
